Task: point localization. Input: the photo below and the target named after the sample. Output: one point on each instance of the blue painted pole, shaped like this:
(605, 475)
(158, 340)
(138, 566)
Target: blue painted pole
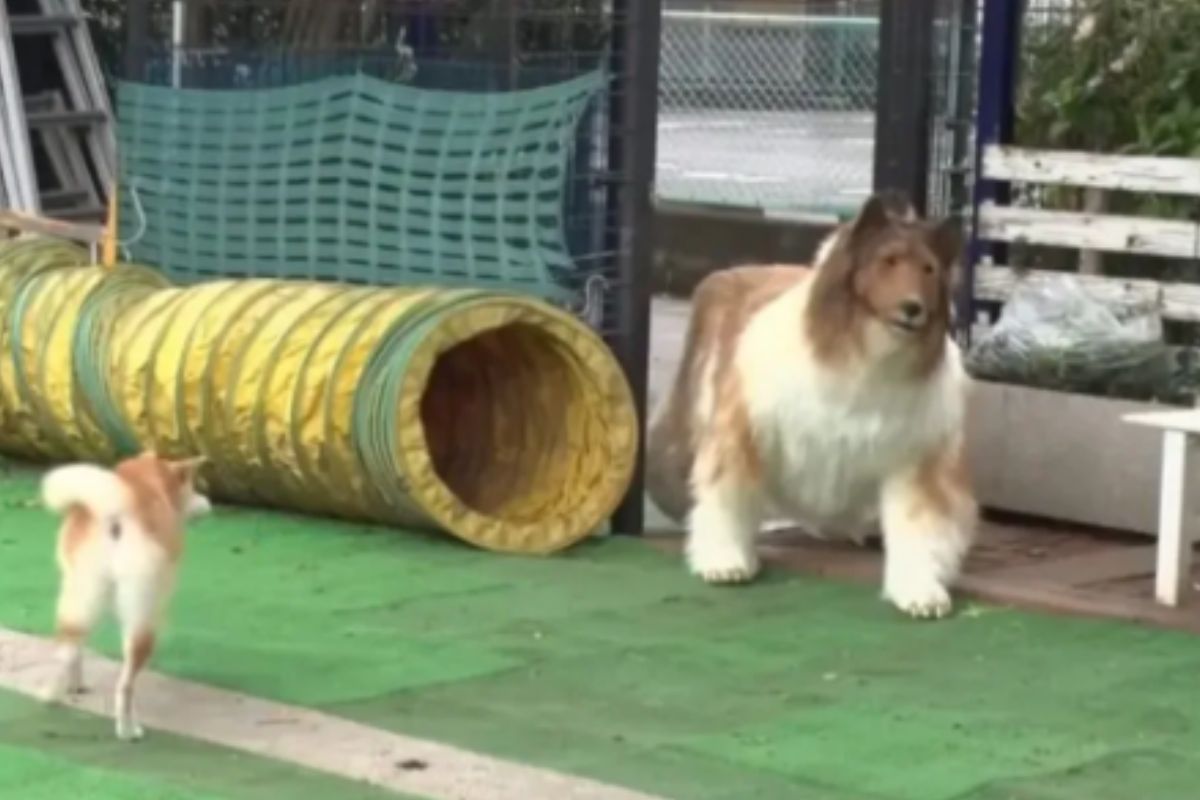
(994, 115)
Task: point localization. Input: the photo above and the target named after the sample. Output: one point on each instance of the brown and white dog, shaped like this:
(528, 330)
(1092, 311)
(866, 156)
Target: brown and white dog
(832, 396)
(120, 544)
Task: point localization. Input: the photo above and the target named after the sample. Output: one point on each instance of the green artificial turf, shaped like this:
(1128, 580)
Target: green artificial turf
(609, 661)
(56, 754)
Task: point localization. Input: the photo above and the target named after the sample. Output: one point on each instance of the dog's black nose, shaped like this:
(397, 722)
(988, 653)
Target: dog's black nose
(912, 309)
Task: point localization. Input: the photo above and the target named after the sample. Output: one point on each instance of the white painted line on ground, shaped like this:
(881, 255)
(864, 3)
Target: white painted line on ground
(733, 177)
(809, 217)
(719, 125)
(301, 736)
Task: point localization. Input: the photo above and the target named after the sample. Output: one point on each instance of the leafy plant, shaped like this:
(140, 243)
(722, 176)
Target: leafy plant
(106, 23)
(1114, 76)
(1118, 77)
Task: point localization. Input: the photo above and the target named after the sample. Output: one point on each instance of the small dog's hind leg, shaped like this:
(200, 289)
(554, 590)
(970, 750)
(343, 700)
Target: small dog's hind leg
(138, 647)
(138, 606)
(81, 598)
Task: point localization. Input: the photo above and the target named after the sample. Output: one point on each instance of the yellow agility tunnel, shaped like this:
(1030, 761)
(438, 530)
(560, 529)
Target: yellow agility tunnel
(497, 418)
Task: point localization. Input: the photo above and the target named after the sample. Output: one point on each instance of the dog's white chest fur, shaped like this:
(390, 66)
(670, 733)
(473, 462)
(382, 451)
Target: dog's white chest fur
(828, 437)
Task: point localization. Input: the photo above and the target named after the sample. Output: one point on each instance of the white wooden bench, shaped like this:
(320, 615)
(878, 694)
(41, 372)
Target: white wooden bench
(1173, 565)
(1098, 232)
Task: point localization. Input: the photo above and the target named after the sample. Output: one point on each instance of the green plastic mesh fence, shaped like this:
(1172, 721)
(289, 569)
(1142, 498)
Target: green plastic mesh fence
(353, 178)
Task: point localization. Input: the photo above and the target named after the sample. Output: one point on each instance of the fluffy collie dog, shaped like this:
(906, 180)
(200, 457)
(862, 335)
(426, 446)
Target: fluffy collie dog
(120, 542)
(833, 396)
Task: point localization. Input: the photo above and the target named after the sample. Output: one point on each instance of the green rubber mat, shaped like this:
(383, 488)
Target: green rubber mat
(610, 662)
(53, 754)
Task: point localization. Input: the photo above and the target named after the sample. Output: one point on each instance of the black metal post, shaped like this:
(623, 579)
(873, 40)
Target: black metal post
(137, 36)
(633, 131)
(904, 98)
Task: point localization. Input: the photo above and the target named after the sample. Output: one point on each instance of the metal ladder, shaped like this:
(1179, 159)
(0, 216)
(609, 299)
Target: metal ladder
(72, 128)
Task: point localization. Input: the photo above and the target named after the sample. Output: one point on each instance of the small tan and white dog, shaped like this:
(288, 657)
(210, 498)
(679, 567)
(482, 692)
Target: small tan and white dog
(832, 396)
(119, 545)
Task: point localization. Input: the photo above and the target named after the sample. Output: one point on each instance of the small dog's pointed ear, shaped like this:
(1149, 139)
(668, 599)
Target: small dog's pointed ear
(188, 467)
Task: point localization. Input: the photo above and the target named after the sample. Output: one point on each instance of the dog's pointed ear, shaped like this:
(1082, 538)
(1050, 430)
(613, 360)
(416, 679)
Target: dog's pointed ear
(897, 205)
(188, 467)
(875, 214)
(946, 241)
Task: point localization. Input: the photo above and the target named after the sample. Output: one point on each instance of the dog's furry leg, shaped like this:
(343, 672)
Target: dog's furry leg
(722, 529)
(928, 524)
(139, 600)
(137, 648)
(68, 671)
(81, 598)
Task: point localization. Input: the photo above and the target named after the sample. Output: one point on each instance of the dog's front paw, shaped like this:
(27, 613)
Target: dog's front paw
(723, 565)
(922, 598)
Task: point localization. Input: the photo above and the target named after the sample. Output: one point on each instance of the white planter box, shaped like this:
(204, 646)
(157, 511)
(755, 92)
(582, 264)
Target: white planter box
(1065, 457)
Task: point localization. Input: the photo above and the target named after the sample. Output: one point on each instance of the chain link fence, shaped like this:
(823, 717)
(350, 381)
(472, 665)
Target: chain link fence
(768, 110)
(952, 116)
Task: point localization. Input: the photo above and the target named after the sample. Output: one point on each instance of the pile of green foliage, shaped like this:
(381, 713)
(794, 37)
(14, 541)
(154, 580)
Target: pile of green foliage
(1113, 76)
(1118, 77)
(106, 22)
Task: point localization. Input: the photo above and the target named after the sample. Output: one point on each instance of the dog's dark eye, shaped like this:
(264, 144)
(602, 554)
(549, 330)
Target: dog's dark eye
(929, 269)
(891, 261)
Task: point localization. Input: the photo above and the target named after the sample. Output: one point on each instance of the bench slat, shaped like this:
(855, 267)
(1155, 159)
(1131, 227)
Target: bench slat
(1075, 168)
(1186, 420)
(1083, 231)
(1178, 301)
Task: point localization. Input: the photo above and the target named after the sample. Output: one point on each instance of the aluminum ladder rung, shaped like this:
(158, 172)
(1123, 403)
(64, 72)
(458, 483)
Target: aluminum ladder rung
(70, 119)
(81, 212)
(38, 24)
(70, 123)
(61, 198)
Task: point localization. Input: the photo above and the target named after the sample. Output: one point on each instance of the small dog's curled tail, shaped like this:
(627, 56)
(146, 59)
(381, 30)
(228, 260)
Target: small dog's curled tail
(94, 488)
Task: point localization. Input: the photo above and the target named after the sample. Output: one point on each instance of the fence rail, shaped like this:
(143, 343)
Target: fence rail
(774, 111)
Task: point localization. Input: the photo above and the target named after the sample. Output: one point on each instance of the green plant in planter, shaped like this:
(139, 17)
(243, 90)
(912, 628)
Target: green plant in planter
(1119, 77)
(1114, 76)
